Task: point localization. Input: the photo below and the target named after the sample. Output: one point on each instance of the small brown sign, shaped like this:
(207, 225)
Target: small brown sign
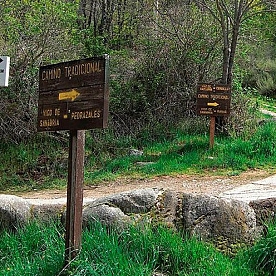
(213, 99)
(73, 95)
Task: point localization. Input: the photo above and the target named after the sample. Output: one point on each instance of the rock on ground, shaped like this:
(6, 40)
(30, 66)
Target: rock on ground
(134, 202)
(265, 209)
(107, 215)
(14, 212)
(214, 218)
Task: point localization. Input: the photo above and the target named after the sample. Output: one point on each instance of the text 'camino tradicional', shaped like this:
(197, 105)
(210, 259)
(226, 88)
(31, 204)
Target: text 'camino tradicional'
(71, 71)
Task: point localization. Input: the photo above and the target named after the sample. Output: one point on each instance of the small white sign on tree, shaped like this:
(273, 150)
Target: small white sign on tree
(4, 71)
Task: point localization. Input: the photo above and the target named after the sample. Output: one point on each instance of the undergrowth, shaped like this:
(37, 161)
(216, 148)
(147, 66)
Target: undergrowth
(190, 154)
(38, 249)
(262, 256)
(42, 163)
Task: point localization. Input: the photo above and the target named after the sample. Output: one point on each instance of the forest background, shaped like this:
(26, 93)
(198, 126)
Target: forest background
(159, 52)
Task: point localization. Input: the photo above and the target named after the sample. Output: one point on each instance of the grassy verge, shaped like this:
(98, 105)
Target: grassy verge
(267, 103)
(261, 256)
(34, 250)
(38, 250)
(38, 164)
(190, 154)
(42, 163)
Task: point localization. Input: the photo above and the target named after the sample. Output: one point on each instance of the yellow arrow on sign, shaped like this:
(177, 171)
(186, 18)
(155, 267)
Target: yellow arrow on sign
(212, 104)
(70, 95)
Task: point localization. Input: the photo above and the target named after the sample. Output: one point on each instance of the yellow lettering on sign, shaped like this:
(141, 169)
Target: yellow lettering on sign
(49, 123)
(219, 96)
(57, 111)
(203, 96)
(82, 69)
(206, 87)
(222, 88)
(206, 112)
(47, 112)
(51, 74)
(86, 114)
(222, 111)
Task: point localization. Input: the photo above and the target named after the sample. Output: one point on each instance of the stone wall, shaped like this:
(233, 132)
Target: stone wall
(207, 217)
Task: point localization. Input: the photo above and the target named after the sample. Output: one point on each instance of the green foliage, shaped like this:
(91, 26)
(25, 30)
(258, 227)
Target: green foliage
(158, 81)
(262, 75)
(266, 83)
(18, 107)
(262, 257)
(43, 162)
(245, 115)
(259, 65)
(34, 165)
(34, 250)
(91, 45)
(38, 249)
(32, 33)
(33, 29)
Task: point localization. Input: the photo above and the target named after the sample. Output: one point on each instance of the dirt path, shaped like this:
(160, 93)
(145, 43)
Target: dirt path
(213, 185)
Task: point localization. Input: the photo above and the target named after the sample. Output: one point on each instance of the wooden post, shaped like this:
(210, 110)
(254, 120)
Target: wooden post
(74, 102)
(212, 130)
(74, 195)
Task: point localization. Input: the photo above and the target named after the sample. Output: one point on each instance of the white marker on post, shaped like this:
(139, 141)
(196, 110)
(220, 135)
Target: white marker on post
(4, 71)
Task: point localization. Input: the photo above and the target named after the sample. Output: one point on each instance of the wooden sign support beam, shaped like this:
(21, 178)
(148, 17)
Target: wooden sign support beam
(212, 131)
(74, 195)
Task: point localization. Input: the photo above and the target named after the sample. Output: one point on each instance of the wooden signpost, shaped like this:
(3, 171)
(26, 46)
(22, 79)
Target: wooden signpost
(74, 96)
(213, 100)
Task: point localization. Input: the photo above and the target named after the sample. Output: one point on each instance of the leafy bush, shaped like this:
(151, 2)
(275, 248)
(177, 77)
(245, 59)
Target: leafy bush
(18, 107)
(42, 162)
(244, 117)
(157, 83)
(266, 84)
(265, 77)
(33, 32)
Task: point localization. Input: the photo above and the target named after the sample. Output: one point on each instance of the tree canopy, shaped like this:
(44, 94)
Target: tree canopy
(159, 51)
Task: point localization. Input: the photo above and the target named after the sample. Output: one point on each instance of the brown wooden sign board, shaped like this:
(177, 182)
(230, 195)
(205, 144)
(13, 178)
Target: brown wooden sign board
(73, 95)
(213, 99)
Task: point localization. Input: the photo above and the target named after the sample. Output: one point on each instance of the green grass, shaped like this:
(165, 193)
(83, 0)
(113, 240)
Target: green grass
(262, 256)
(42, 164)
(38, 250)
(190, 154)
(267, 103)
(37, 164)
(33, 250)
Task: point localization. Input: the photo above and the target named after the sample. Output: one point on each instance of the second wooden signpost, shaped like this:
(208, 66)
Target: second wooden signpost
(213, 100)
